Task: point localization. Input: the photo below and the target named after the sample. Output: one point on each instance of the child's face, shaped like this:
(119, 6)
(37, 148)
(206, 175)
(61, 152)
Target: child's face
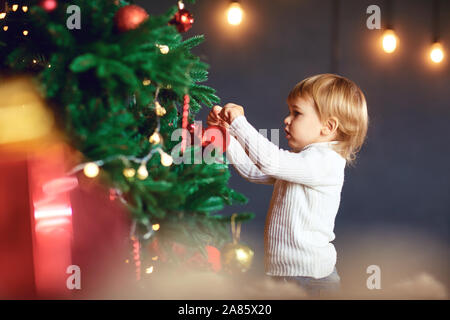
(303, 125)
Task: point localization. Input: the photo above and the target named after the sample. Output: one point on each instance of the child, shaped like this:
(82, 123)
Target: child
(325, 128)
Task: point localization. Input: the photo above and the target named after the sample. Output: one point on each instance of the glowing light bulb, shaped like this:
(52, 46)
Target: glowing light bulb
(129, 172)
(15, 7)
(234, 14)
(164, 49)
(24, 8)
(166, 160)
(142, 172)
(389, 41)
(155, 227)
(91, 170)
(25, 32)
(155, 138)
(437, 52)
(149, 270)
(2, 15)
(5, 28)
(146, 82)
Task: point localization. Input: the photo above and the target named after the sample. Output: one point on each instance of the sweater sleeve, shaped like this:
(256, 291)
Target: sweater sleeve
(312, 167)
(245, 167)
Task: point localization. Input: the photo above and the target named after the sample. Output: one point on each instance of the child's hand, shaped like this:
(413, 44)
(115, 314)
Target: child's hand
(214, 118)
(230, 112)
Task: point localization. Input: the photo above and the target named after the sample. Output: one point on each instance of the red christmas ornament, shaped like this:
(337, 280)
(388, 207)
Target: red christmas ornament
(48, 5)
(183, 20)
(218, 137)
(129, 17)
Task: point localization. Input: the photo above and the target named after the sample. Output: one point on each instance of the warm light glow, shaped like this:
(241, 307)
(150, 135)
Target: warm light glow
(155, 138)
(241, 254)
(155, 258)
(389, 41)
(234, 14)
(149, 270)
(2, 15)
(25, 8)
(146, 82)
(25, 32)
(164, 49)
(155, 227)
(34, 61)
(142, 172)
(129, 172)
(5, 28)
(166, 160)
(15, 7)
(91, 170)
(437, 52)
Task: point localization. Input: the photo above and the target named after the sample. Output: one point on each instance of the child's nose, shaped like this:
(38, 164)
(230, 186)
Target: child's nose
(287, 120)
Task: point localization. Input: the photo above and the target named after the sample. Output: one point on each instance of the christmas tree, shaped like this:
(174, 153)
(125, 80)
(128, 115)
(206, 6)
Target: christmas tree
(120, 81)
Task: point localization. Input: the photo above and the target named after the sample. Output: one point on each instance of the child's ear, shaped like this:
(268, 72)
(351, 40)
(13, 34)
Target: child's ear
(330, 126)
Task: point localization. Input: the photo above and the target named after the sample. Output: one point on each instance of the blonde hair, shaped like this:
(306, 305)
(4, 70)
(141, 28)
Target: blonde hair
(336, 96)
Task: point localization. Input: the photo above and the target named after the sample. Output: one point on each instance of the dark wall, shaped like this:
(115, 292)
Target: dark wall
(401, 180)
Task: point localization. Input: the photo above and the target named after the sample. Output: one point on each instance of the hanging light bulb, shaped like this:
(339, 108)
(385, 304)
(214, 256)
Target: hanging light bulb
(155, 138)
(437, 52)
(24, 8)
(129, 172)
(2, 15)
(142, 172)
(389, 41)
(155, 227)
(25, 32)
(5, 28)
(91, 170)
(15, 7)
(166, 159)
(234, 13)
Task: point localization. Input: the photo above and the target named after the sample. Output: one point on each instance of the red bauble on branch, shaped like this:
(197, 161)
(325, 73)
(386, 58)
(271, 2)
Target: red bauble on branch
(129, 17)
(218, 136)
(183, 19)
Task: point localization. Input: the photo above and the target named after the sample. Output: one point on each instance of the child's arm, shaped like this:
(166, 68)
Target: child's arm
(245, 167)
(312, 166)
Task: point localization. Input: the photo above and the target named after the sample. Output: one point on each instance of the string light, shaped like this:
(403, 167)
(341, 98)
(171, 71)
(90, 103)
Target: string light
(5, 28)
(160, 111)
(2, 15)
(166, 159)
(15, 7)
(91, 170)
(146, 82)
(155, 227)
(234, 13)
(149, 270)
(164, 49)
(25, 32)
(24, 8)
(142, 172)
(129, 172)
(155, 138)
(437, 53)
(389, 41)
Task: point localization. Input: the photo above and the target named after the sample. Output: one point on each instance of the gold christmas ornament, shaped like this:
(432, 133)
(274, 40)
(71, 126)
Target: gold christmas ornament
(236, 258)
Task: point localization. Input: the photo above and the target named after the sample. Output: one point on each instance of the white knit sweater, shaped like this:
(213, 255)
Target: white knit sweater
(304, 204)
